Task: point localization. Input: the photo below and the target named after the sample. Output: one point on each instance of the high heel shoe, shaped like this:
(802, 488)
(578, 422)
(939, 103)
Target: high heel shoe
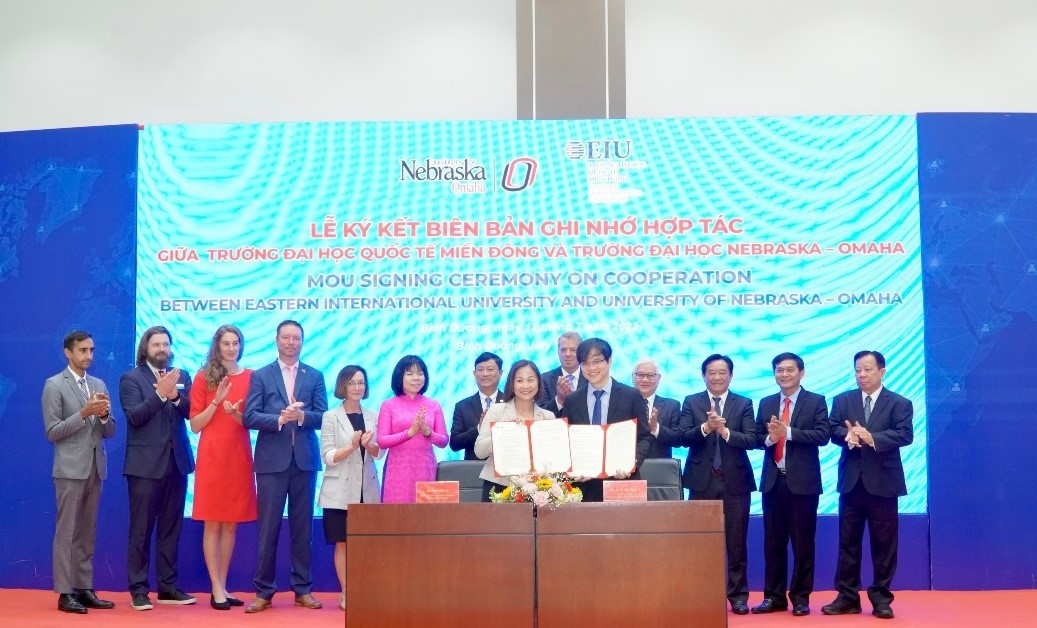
(220, 606)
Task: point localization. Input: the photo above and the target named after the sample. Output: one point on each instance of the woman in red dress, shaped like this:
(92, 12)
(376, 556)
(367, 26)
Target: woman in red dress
(224, 486)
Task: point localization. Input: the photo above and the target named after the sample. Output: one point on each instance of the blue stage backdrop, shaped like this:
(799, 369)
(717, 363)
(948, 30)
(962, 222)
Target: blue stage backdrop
(978, 182)
(67, 256)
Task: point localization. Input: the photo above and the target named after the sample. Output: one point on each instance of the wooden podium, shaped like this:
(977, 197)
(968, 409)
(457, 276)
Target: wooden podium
(468, 564)
(475, 564)
(631, 564)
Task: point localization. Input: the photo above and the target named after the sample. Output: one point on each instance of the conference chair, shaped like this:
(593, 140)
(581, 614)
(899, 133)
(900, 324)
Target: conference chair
(466, 474)
(664, 479)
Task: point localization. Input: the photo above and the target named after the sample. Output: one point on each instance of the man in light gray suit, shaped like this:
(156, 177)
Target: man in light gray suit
(77, 417)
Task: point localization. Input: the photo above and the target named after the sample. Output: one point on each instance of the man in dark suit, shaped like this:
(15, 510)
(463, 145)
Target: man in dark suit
(559, 382)
(77, 419)
(156, 401)
(604, 400)
(664, 415)
(792, 425)
(871, 424)
(717, 426)
(285, 404)
(468, 412)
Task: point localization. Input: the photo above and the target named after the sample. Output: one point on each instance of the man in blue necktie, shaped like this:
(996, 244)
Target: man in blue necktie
(559, 382)
(603, 400)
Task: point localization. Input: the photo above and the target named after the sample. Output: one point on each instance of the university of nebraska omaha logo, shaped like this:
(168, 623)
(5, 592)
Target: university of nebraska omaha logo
(518, 174)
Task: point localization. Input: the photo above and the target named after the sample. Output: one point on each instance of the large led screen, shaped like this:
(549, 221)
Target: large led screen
(671, 239)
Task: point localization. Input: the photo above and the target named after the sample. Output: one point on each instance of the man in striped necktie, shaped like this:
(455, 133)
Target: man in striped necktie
(469, 411)
(77, 419)
(871, 423)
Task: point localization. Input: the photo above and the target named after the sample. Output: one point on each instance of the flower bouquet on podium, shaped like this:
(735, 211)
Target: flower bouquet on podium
(539, 489)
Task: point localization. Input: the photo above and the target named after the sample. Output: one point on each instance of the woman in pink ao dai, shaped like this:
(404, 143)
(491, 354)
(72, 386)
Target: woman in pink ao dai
(409, 425)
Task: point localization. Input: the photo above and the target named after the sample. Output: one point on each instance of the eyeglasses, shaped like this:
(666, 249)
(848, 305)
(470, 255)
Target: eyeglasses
(596, 362)
(648, 376)
(359, 384)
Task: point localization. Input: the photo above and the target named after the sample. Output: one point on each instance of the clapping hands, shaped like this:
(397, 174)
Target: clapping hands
(419, 424)
(292, 413)
(857, 434)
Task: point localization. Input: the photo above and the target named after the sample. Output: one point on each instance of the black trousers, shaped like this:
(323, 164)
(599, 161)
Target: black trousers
(156, 506)
(788, 517)
(736, 529)
(856, 508)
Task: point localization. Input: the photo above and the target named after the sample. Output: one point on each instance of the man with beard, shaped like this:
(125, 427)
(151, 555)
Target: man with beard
(156, 401)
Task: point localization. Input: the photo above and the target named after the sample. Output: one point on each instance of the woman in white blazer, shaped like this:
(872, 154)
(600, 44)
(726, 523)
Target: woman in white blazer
(521, 392)
(349, 448)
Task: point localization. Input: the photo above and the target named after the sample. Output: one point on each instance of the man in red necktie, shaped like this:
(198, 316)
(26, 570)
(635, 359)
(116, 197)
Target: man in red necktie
(792, 425)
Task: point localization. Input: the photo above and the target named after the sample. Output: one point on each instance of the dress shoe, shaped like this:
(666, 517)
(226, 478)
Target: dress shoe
(739, 608)
(67, 603)
(257, 605)
(176, 596)
(882, 611)
(308, 601)
(841, 607)
(220, 606)
(89, 599)
(800, 610)
(769, 606)
(141, 602)
(233, 601)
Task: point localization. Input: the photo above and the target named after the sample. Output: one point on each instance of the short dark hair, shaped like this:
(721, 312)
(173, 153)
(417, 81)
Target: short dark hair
(781, 357)
(486, 355)
(74, 336)
(289, 321)
(879, 358)
(347, 374)
(509, 386)
(142, 348)
(714, 358)
(592, 345)
(402, 367)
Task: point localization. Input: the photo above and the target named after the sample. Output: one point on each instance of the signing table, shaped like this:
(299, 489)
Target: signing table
(623, 564)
